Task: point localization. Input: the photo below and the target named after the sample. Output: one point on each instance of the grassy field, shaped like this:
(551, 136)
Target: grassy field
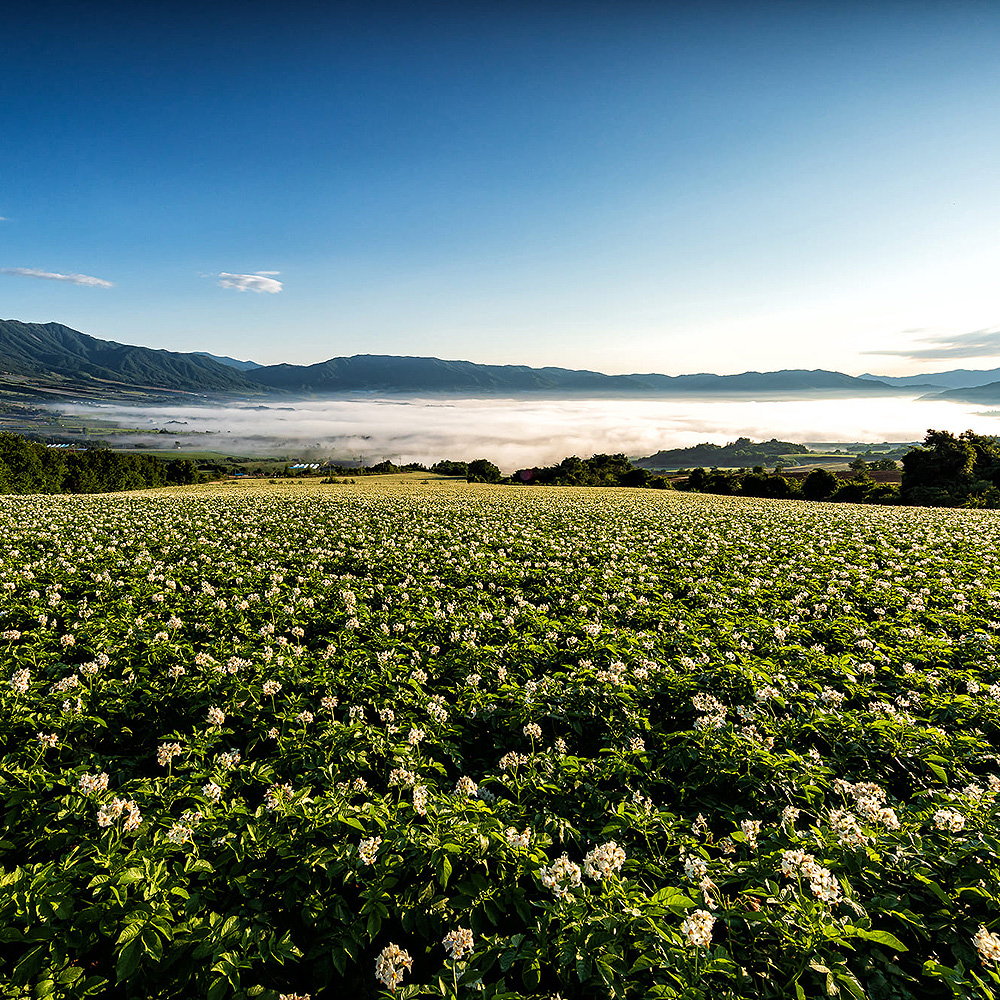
(430, 738)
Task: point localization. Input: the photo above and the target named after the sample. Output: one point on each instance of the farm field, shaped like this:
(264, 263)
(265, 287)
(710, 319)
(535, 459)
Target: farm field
(437, 739)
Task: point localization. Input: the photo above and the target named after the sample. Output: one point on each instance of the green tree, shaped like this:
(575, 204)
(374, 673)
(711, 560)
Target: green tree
(820, 484)
(483, 471)
(940, 472)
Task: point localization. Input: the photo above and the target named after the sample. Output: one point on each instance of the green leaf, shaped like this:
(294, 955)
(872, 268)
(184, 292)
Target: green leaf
(128, 961)
(130, 932)
(939, 772)
(881, 937)
(218, 989)
(30, 964)
(445, 873)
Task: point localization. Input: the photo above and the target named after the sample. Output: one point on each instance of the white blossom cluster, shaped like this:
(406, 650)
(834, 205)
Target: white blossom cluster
(950, 820)
(420, 800)
(751, 830)
(561, 876)
(90, 783)
(21, 680)
(466, 787)
(845, 825)
(109, 814)
(869, 799)
(458, 943)
(277, 795)
(228, 759)
(713, 711)
(368, 849)
(516, 839)
(603, 861)
(167, 752)
(697, 929)
(390, 965)
(796, 864)
(987, 944)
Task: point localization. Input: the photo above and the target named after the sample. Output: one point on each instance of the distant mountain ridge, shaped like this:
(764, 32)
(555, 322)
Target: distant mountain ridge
(390, 373)
(46, 349)
(989, 393)
(52, 350)
(243, 366)
(957, 378)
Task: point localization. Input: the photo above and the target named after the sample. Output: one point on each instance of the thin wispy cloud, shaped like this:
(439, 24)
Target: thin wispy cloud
(260, 281)
(977, 344)
(73, 279)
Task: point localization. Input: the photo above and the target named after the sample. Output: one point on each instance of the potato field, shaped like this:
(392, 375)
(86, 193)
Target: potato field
(489, 742)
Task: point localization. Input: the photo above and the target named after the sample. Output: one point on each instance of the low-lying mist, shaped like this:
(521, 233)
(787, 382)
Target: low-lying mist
(519, 432)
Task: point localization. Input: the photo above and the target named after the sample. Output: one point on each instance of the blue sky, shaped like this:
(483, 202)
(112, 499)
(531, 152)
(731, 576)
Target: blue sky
(630, 186)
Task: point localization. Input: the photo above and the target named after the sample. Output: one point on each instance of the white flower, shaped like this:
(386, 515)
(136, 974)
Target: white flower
(390, 964)
(561, 876)
(845, 824)
(167, 752)
(516, 839)
(277, 795)
(179, 833)
(465, 786)
(533, 731)
(695, 868)
(987, 944)
(751, 828)
(420, 800)
(90, 783)
(368, 849)
(228, 759)
(697, 928)
(271, 688)
(212, 792)
(949, 819)
(601, 862)
(112, 811)
(821, 881)
(216, 716)
(458, 943)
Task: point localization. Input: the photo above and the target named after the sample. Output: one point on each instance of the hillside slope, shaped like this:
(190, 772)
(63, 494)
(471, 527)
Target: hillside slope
(45, 349)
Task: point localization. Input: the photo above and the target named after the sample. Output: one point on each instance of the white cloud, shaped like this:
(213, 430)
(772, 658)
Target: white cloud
(74, 279)
(258, 282)
(978, 344)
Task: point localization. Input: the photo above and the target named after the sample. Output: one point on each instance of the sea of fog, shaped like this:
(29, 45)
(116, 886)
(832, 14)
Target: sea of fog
(525, 431)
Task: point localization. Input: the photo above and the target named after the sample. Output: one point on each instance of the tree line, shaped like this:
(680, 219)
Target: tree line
(29, 467)
(945, 471)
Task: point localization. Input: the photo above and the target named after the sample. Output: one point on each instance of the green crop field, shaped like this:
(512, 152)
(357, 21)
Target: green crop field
(410, 739)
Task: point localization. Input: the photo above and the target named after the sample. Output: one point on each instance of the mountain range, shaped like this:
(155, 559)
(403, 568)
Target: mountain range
(52, 358)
